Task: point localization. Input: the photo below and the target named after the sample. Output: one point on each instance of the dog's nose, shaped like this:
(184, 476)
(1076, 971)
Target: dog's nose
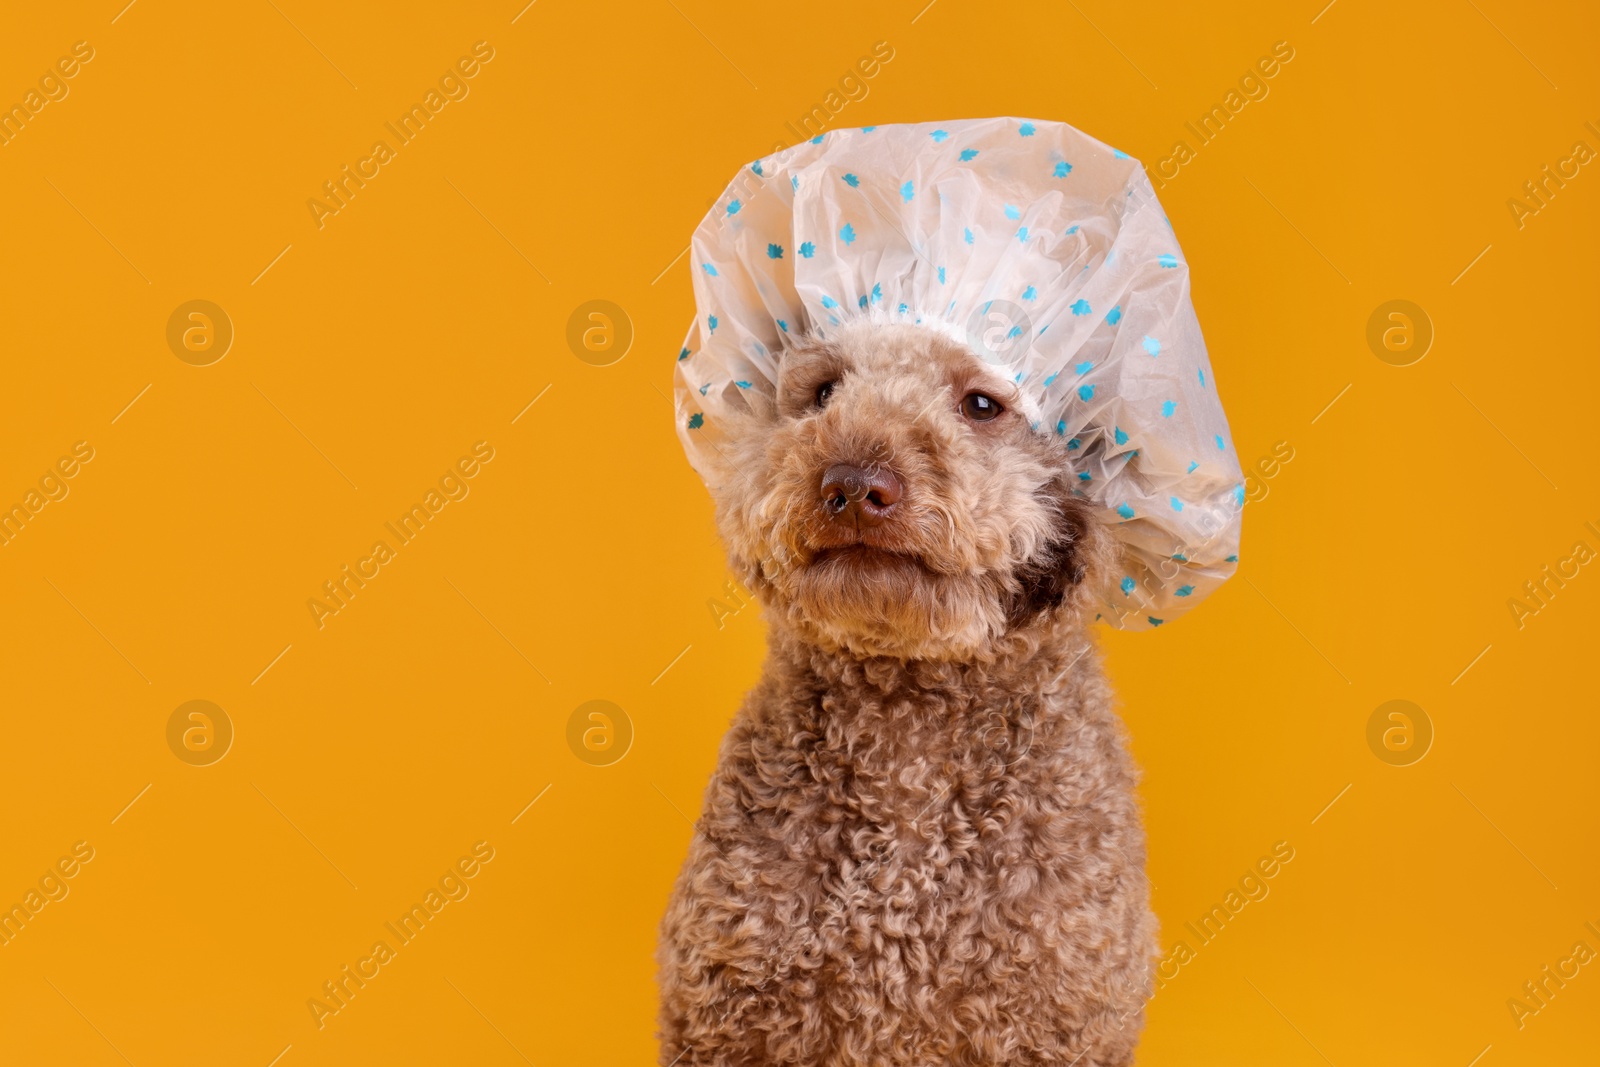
(860, 495)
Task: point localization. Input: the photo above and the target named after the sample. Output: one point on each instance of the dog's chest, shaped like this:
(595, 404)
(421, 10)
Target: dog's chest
(912, 848)
(908, 883)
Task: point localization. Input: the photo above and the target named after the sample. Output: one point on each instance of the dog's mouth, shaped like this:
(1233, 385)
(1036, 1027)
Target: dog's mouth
(887, 549)
(862, 557)
(861, 554)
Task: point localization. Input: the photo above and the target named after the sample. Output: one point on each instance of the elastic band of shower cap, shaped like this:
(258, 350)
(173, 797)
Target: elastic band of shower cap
(1044, 251)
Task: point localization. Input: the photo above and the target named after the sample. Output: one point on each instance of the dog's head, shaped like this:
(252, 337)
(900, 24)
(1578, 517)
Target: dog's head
(894, 500)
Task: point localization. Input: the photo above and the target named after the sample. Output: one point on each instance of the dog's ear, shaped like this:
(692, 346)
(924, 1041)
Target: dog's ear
(1074, 561)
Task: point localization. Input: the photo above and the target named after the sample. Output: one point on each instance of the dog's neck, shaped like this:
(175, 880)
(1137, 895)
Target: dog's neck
(895, 728)
(1037, 659)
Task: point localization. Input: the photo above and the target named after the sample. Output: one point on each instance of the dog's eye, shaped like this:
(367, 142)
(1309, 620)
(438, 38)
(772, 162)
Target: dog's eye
(979, 408)
(824, 391)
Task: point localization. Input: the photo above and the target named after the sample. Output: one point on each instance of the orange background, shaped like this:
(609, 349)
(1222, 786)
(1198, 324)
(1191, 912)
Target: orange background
(370, 754)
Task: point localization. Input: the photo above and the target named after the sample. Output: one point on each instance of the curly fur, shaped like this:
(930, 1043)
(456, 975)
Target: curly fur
(921, 844)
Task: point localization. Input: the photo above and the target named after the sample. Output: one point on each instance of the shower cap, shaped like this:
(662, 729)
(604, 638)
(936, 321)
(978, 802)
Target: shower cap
(1034, 244)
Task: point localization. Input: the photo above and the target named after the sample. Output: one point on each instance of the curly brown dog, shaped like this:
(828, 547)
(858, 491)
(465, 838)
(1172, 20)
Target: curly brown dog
(921, 844)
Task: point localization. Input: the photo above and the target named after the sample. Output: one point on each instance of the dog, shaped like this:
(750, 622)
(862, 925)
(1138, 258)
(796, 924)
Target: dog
(921, 844)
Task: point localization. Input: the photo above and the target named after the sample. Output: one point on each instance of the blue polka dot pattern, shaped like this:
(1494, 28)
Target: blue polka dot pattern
(957, 216)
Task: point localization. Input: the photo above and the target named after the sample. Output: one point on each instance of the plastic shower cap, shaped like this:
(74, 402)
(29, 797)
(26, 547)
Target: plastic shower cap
(1040, 248)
